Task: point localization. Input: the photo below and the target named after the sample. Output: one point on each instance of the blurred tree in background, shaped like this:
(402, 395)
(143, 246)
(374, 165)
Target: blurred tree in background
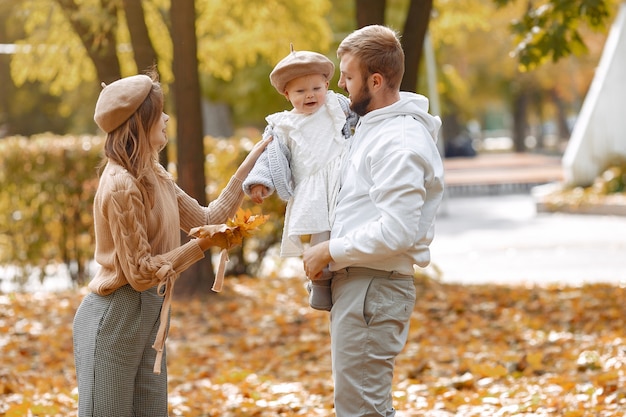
(548, 31)
(481, 79)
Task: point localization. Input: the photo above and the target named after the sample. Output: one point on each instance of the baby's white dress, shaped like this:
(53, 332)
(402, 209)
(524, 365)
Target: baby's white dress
(317, 146)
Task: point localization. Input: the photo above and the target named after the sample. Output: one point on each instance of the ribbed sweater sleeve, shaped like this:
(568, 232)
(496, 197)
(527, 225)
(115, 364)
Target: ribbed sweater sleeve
(224, 207)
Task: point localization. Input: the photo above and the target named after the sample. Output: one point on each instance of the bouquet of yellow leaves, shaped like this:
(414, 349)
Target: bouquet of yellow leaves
(227, 236)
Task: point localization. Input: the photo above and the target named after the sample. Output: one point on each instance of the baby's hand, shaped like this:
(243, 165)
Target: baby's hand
(258, 193)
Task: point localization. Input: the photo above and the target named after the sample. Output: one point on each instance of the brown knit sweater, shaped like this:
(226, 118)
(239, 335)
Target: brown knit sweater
(133, 242)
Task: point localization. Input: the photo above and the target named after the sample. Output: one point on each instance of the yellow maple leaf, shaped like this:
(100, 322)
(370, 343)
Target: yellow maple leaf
(231, 234)
(245, 223)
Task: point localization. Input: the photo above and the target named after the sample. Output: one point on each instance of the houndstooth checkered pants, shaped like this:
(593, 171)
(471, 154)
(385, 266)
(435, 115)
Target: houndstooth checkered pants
(113, 337)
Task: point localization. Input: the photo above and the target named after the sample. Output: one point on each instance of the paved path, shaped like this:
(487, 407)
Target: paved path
(502, 239)
(502, 168)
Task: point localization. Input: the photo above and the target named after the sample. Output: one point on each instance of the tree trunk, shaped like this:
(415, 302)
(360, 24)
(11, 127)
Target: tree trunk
(414, 33)
(563, 128)
(198, 279)
(539, 109)
(101, 46)
(520, 120)
(370, 12)
(143, 49)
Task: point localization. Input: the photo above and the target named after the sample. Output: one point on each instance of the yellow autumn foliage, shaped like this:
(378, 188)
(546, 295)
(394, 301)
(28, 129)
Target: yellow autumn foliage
(231, 35)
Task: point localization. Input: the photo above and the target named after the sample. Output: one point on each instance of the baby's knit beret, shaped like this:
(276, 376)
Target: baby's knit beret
(297, 64)
(119, 100)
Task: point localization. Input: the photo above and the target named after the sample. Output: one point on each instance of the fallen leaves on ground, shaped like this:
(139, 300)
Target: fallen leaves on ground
(257, 349)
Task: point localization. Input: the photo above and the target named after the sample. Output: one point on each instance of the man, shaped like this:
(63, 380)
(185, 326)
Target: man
(391, 188)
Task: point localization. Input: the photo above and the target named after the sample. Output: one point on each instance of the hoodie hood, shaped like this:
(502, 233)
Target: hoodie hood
(410, 104)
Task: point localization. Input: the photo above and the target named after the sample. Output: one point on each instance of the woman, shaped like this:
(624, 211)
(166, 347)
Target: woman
(139, 211)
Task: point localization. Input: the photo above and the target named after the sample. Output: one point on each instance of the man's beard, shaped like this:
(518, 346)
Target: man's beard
(360, 103)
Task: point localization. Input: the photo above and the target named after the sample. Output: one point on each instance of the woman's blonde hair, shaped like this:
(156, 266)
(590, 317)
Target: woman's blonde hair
(378, 50)
(129, 145)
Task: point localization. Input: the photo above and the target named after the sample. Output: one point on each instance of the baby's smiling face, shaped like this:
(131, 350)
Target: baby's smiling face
(307, 93)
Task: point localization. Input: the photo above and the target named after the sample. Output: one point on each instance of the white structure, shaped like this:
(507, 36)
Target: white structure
(599, 135)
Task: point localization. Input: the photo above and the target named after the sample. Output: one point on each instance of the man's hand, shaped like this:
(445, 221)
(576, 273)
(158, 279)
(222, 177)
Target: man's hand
(315, 259)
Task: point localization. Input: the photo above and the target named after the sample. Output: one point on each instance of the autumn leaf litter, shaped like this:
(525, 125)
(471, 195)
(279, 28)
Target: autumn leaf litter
(257, 349)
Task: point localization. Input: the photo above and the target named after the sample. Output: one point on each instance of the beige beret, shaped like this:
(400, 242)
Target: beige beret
(297, 64)
(119, 100)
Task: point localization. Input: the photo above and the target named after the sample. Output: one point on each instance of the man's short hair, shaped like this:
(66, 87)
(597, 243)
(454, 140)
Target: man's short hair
(378, 50)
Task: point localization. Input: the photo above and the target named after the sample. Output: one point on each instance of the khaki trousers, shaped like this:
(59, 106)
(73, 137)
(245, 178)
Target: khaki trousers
(369, 325)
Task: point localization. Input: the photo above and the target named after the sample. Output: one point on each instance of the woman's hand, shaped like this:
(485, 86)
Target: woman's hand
(205, 243)
(219, 240)
(211, 235)
(248, 163)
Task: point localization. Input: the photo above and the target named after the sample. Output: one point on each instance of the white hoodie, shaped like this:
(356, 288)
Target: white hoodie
(392, 185)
